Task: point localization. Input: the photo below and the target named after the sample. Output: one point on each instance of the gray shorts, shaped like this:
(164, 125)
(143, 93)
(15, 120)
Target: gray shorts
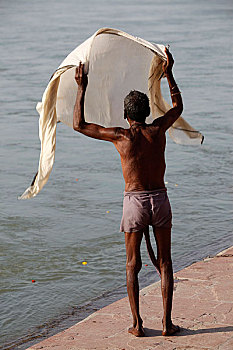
(144, 208)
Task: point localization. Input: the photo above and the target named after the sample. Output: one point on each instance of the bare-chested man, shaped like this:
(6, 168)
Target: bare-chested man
(141, 148)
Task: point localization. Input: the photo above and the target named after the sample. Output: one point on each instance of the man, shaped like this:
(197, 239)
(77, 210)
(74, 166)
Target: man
(141, 148)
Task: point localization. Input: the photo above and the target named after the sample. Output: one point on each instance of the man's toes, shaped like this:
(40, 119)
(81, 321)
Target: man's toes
(136, 332)
(172, 330)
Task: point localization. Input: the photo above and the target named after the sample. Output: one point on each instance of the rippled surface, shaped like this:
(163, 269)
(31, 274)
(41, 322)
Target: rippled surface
(47, 238)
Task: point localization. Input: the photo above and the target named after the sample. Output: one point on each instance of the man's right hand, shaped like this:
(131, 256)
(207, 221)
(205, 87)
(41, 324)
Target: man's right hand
(81, 77)
(167, 66)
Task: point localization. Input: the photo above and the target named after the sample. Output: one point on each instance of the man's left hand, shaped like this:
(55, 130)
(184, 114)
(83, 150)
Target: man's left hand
(81, 77)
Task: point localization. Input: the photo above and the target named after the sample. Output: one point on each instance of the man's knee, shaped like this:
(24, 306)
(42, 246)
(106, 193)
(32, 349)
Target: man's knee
(165, 263)
(133, 266)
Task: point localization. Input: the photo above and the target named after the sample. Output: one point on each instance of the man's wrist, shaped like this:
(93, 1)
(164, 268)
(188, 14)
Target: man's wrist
(81, 89)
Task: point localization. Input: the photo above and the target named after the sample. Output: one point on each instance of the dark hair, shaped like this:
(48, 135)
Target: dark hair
(136, 106)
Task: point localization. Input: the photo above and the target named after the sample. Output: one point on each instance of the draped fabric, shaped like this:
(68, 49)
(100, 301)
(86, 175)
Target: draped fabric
(116, 63)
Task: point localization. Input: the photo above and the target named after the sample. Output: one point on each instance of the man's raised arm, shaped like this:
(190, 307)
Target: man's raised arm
(173, 114)
(79, 124)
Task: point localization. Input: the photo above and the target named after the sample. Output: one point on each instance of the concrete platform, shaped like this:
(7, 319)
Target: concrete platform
(203, 307)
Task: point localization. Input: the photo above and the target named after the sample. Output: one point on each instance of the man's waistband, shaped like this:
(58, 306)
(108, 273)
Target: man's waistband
(138, 193)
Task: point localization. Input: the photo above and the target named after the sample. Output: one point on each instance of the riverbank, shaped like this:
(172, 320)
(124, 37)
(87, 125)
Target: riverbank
(203, 303)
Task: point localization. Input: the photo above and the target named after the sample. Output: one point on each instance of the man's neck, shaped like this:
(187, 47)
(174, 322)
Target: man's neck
(135, 123)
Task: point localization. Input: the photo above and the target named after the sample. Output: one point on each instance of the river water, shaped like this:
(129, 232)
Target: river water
(76, 216)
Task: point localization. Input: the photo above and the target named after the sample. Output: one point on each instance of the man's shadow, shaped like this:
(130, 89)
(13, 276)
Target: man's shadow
(149, 332)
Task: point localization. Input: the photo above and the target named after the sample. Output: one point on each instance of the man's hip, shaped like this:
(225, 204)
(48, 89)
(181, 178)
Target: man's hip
(144, 208)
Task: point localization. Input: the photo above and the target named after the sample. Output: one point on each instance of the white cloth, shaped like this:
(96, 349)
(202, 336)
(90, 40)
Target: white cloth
(116, 63)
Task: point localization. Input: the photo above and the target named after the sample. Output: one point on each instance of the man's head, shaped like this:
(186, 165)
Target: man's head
(136, 106)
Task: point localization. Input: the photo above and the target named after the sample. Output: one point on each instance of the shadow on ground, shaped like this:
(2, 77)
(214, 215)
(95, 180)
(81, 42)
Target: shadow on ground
(185, 331)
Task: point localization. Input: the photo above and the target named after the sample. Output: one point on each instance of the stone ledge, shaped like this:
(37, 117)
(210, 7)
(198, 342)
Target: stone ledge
(203, 304)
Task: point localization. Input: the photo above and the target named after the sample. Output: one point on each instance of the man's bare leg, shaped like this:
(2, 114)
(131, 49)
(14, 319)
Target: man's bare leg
(133, 266)
(163, 240)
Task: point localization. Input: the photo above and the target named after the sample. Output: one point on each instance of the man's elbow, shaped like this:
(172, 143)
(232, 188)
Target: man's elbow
(75, 126)
(78, 126)
(179, 109)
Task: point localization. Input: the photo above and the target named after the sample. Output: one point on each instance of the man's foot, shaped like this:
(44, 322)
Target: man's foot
(170, 330)
(137, 332)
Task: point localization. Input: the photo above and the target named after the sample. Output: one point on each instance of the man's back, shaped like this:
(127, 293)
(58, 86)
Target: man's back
(142, 157)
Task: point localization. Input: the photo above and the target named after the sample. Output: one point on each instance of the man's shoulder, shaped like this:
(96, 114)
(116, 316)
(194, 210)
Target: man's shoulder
(153, 127)
(122, 131)
(121, 134)
(156, 122)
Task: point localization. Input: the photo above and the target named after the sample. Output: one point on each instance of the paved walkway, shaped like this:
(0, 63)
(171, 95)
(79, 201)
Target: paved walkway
(203, 303)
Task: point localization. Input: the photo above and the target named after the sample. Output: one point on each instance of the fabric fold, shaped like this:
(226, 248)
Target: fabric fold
(47, 133)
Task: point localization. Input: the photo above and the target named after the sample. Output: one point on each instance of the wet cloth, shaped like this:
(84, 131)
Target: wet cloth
(144, 208)
(116, 63)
